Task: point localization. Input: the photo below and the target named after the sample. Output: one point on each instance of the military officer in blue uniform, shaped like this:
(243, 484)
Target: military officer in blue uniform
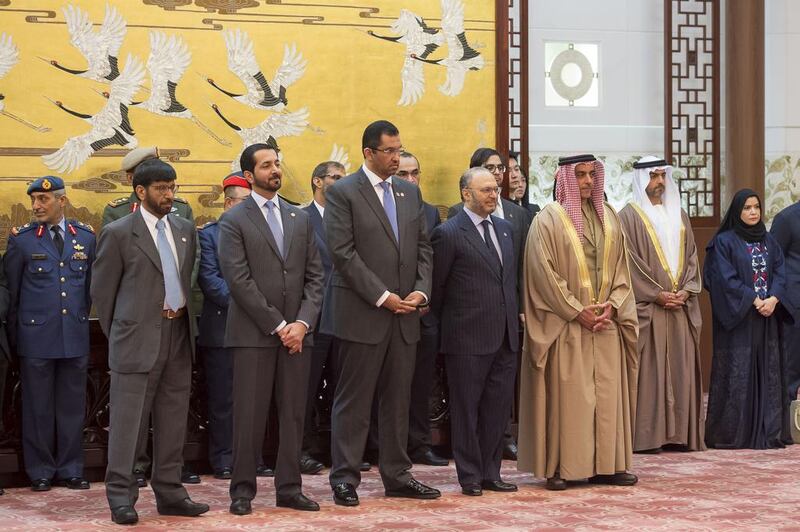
(211, 340)
(48, 265)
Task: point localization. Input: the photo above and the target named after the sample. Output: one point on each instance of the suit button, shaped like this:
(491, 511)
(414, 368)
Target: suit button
(33, 321)
(285, 272)
(64, 311)
(62, 279)
(219, 313)
(284, 292)
(63, 294)
(40, 269)
(61, 264)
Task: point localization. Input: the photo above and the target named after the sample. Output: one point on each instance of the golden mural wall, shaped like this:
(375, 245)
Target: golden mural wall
(85, 81)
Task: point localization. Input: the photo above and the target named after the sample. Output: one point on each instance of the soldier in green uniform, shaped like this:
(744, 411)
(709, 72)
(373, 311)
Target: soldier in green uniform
(120, 207)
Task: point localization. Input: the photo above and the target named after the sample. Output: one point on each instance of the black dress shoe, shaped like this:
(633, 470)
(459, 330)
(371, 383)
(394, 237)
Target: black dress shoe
(309, 466)
(414, 490)
(428, 457)
(124, 515)
(75, 483)
(141, 478)
(186, 508)
(344, 494)
(365, 466)
(556, 483)
(298, 502)
(187, 477)
(617, 479)
(223, 474)
(498, 485)
(510, 451)
(240, 507)
(40, 484)
(473, 490)
(264, 471)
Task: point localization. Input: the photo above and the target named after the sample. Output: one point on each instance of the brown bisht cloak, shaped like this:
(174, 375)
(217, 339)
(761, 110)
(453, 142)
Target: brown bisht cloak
(669, 409)
(578, 388)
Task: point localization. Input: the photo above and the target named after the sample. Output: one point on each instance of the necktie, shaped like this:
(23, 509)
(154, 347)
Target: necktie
(57, 240)
(487, 238)
(172, 283)
(390, 208)
(275, 226)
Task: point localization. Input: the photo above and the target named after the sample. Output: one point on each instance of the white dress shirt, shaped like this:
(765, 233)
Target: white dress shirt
(150, 221)
(261, 201)
(498, 211)
(61, 225)
(376, 181)
(320, 209)
(477, 220)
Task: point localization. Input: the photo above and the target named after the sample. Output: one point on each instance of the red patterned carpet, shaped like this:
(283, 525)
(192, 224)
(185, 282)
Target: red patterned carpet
(714, 490)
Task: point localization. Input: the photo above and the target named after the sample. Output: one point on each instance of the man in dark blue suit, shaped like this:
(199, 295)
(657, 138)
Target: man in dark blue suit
(48, 264)
(5, 351)
(211, 340)
(419, 423)
(323, 355)
(474, 270)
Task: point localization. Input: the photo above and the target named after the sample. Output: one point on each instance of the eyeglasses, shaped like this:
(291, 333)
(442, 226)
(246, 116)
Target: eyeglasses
(388, 151)
(163, 189)
(405, 173)
(487, 190)
(335, 177)
(499, 168)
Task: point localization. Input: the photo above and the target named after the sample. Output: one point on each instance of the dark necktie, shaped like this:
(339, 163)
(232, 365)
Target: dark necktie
(57, 240)
(487, 238)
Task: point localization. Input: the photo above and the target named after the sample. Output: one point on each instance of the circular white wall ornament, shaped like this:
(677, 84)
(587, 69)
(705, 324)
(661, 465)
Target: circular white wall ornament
(565, 86)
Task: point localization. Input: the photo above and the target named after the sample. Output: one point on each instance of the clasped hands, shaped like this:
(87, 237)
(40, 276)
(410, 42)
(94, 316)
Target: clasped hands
(394, 304)
(292, 336)
(596, 318)
(766, 307)
(672, 300)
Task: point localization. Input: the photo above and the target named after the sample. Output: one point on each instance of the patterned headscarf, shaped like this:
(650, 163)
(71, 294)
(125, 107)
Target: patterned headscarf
(568, 194)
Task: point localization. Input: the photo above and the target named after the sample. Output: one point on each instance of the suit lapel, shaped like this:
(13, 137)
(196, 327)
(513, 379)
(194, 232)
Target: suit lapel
(257, 217)
(476, 239)
(316, 220)
(288, 218)
(144, 239)
(368, 191)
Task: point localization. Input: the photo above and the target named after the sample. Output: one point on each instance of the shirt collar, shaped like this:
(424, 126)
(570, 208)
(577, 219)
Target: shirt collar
(151, 219)
(373, 177)
(62, 225)
(261, 201)
(476, 219)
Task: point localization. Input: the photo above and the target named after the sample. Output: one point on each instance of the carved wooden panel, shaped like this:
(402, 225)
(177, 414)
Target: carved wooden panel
(692, 140)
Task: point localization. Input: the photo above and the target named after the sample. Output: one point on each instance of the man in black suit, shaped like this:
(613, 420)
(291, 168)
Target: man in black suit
(520, 221)
(271, 265)
(419, 423)
(474, 269)
(377, 236)
(323, 356)
(140, 286)
(5, 352)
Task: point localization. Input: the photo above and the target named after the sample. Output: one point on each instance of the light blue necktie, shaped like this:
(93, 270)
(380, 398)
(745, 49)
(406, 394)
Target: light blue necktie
(172, 282)
(390, 208)
(275, 226)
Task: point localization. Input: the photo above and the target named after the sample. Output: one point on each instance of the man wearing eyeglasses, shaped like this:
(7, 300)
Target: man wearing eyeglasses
(419, 428)
(474, 269)
(140, 286)
(377, 235)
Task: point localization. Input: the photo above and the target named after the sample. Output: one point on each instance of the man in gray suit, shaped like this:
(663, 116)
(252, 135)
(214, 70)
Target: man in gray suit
(376, 233)
(269, 259)
(140, 285)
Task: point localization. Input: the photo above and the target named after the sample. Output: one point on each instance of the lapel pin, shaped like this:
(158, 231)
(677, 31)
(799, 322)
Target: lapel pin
(183, 239)
(74, 241)
(291, 214)
(505, 234)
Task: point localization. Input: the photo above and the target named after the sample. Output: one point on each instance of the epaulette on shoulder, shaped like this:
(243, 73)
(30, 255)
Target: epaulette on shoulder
(119, 201)
(207, 224)
(22, 229)
(180, 200)
(85, 227)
